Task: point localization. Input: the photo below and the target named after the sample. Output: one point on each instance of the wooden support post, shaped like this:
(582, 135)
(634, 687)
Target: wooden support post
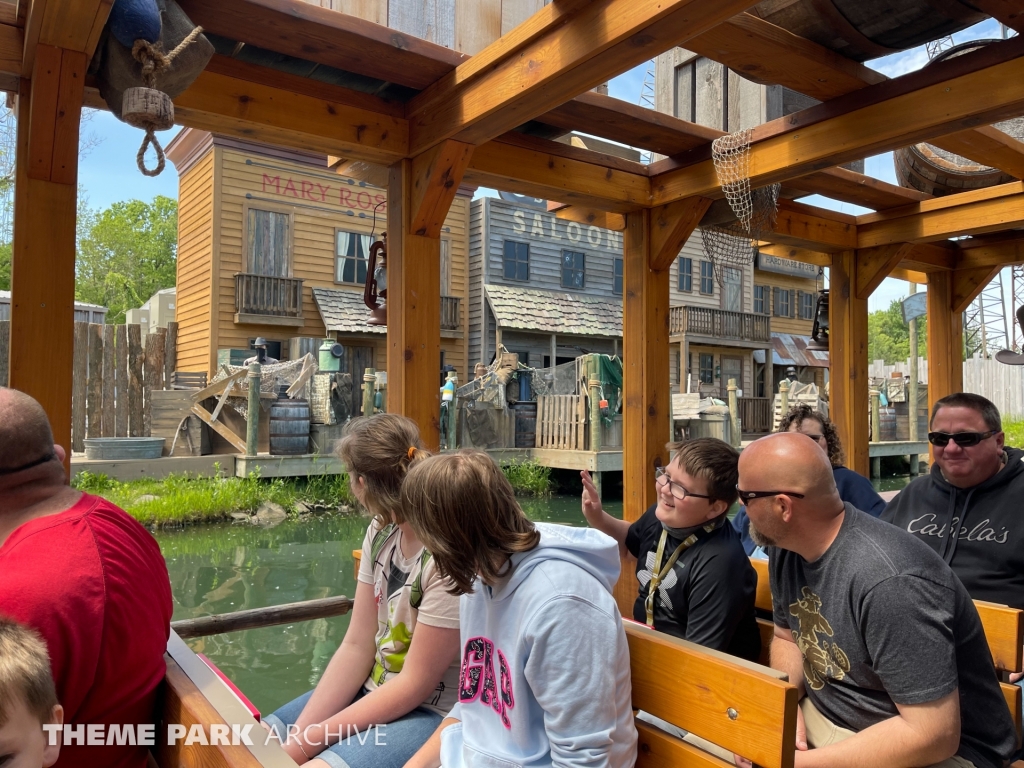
(453, 410)
(554, 350)
(154, 375)
(135, 381)
(369, 381)
(876, 467)
(912, 390)
(734, 414)
(252, 419)
(43, 253)
(80, 370)
(645, 348)
(121, 382)
(94, 403)
(876, 419)
(783, 398)
(109, 426)
(945, 339)
(170, 352)
(414, 307)
(594, 388)
(5, 341)
(848, 360)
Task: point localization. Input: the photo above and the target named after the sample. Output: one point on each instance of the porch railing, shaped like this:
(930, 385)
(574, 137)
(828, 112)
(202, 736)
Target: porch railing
(450, 313)
(719, 324)
(755, 414)
(268, 296)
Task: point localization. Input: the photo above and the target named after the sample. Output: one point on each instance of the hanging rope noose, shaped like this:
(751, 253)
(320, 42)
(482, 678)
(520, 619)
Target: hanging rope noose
(148, 108)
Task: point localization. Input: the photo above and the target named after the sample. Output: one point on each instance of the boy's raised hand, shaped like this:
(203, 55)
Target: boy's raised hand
(592, 509)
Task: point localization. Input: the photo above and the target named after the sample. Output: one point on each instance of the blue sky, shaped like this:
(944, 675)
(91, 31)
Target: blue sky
(108, 172)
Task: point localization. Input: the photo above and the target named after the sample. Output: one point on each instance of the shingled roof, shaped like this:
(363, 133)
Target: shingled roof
(344, 311)
(528, 309)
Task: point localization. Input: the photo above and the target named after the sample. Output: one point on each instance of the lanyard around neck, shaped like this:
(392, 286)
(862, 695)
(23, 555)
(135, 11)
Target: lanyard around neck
(658, 573)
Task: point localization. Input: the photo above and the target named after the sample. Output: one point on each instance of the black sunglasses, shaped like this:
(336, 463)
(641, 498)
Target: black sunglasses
(963, 439)
(748, 495)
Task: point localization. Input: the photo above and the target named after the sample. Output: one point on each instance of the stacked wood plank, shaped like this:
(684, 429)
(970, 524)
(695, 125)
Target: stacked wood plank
(561, 422)
(115, 378)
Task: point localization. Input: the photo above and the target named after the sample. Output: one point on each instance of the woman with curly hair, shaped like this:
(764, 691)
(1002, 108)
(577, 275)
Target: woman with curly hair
(853, 488)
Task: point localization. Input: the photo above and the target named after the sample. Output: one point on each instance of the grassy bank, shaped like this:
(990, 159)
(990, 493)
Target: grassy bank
(180, 499)
(1014, 429)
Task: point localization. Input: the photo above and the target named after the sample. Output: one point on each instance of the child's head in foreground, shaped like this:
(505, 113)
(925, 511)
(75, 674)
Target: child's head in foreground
(463, 509)
(28, 699)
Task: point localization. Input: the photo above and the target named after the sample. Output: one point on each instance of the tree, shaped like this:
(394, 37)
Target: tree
(889, 336)
(127, 253)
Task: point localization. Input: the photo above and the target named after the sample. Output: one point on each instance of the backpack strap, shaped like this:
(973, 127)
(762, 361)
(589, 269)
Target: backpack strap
(416, 591)
(379, 539)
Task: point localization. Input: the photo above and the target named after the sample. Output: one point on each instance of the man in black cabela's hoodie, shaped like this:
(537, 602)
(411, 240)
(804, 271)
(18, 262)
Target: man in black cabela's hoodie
(976, 490)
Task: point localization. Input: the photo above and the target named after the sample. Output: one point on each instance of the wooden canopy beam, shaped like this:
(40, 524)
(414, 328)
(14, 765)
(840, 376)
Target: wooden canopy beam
(807, 226)
(1008, 12)
(969, 213)
(437, 175)
(848, 359)
(930, 257)
(573, 46)
(980, 86)
(945, 339)
(805, 255)
(968, 283)
(982, 252)
(671, 226)
(72, 26)
(588, 216)
(875, 264)
(771, 55)
(910, 275)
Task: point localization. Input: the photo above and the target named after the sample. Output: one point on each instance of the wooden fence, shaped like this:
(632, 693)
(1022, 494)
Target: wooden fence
(561, 422)
(1002, 384)
(879, 370)
(755, 414)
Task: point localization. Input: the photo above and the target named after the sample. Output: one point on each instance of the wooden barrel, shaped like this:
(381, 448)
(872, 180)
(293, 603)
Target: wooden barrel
(526, 424)
(866, 29)
(933, 170)
(289, 427)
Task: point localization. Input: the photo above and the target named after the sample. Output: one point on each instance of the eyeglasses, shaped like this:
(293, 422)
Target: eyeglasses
(748, 495)
(963, 439)
(662, 479)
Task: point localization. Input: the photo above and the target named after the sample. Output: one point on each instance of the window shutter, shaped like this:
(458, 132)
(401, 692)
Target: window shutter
(800, 304)
(792, 303)
(775, 302)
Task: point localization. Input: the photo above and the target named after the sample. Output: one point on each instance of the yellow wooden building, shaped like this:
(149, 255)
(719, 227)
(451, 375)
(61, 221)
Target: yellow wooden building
(273, 244)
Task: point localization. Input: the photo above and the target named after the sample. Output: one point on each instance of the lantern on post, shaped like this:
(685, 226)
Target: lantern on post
(376, 287)
(819, 331)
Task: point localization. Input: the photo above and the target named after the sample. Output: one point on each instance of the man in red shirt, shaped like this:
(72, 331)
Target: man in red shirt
(89, 579)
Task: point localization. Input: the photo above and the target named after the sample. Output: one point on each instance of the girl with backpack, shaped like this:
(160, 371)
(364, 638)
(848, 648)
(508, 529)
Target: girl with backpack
(395, 674)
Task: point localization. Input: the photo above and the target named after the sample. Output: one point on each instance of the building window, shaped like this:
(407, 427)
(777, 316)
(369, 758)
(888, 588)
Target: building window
(762, 299)
(617, 278)
(707, 369)
(352, 251)
(707, 278)
(806, 306)
(517, 261)
(268, 242)
(686, 275)
(783, 303)
(573, 269)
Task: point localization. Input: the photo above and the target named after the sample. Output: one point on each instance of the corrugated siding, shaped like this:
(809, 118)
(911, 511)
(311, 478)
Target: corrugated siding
(793, 325)
(547, 237)
(320, 203)
(195, 255)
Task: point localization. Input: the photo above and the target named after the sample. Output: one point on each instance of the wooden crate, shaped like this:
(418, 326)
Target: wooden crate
(169, 408)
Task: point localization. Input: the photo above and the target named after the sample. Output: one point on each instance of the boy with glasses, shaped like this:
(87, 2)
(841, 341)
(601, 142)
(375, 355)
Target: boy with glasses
(968, 507)
(695, 579)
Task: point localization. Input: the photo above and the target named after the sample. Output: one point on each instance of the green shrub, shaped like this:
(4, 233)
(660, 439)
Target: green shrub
(179, 499)
(528, 478)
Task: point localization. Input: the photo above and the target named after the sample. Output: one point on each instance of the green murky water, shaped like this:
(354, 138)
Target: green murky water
(224, 567)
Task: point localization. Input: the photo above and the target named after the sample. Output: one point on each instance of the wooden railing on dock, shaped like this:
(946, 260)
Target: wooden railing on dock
(450, 313)
(719, 324)
(755, 414)
(561, 422)
(268, 296)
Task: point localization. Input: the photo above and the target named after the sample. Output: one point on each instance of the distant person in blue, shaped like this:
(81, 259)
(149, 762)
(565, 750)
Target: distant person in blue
(853, 489)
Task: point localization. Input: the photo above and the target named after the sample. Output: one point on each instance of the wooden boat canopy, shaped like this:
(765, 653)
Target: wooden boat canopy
(422, 119)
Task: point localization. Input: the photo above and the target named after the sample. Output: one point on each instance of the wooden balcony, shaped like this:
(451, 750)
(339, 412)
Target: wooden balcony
(265, 300)
(719, 324)
(450, 313)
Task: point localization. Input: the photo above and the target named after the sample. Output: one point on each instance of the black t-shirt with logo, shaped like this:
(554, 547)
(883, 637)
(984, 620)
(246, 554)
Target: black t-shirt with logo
(881, 620)
(708, 596)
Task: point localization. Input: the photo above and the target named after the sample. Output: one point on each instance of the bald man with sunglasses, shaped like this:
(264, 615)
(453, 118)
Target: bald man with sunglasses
(968, 508)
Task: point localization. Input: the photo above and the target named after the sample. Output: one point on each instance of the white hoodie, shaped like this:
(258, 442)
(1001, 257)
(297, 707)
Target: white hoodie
(545, 666)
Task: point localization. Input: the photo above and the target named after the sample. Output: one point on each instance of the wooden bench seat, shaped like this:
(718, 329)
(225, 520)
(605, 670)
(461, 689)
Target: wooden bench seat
(1004, 631)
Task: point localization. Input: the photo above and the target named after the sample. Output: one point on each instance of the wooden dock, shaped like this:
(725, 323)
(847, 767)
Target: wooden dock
(155, 469)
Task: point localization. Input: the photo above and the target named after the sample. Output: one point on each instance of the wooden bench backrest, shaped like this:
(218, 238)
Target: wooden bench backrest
(742, 707)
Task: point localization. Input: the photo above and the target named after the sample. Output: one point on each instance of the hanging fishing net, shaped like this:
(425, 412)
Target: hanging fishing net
(732, 246)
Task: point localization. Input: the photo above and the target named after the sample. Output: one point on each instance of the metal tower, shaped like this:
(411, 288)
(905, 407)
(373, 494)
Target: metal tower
(647, 100)
(985, 325)
(1016, 302)
(935, 47)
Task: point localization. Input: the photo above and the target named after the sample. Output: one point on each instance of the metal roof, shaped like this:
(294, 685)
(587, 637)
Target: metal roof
(530, 309)
(788, 349)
